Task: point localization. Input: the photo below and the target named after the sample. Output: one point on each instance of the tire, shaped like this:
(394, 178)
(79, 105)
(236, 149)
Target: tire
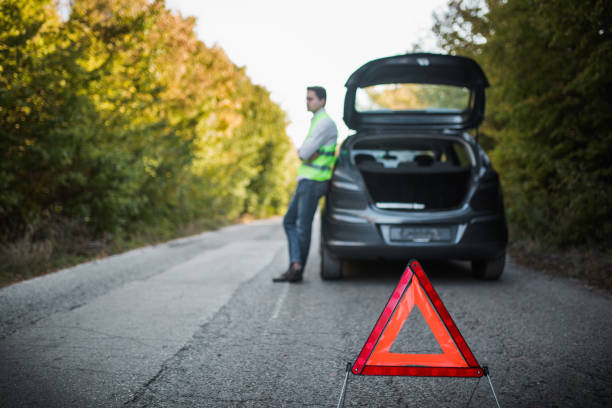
(331, 266)
(490, 269)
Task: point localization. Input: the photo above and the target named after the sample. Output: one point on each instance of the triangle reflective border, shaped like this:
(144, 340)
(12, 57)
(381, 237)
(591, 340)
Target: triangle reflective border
(414, 289)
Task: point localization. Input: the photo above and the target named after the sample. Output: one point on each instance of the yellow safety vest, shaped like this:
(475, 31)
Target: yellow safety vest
(320, 169)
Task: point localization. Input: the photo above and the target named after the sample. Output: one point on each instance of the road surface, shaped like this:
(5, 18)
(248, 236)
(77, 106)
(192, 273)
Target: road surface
(198, 322)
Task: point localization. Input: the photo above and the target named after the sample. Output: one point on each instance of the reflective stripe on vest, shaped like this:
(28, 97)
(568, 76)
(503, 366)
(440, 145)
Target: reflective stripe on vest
(321, 168)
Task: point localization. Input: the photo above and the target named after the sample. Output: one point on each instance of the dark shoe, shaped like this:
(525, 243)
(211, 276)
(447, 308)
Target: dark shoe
(295, 272)
(283, 277)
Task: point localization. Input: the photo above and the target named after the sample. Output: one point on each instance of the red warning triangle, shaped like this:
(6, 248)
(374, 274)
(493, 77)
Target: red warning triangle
(414, 289)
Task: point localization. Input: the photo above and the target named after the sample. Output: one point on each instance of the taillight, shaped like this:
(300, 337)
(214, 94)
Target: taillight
(488, 198)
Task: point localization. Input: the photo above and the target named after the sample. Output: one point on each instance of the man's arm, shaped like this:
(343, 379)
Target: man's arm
(323, 133)
(311, 158)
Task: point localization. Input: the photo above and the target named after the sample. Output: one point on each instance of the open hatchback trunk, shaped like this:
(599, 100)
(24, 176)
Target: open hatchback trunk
(416, 173)
(417, 91)
(409, 111)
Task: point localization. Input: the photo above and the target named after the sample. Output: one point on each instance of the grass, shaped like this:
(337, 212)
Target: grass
(64, 244)
(592, 266)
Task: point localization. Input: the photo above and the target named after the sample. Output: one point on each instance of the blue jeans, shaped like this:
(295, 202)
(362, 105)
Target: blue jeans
(298, 219)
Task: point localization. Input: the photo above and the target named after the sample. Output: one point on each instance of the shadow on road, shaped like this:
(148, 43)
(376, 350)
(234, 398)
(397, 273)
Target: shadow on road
(390, 271)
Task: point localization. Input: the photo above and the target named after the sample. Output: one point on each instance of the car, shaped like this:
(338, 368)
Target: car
(411, 182)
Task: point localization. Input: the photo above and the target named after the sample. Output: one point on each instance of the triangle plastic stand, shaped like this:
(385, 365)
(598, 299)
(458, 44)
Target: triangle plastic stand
(414, 289)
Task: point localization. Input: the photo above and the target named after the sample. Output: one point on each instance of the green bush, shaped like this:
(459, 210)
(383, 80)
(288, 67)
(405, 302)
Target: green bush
(120, 118)
(548, 109)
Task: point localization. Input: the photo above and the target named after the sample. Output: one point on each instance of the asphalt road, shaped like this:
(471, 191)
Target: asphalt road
(198, 322)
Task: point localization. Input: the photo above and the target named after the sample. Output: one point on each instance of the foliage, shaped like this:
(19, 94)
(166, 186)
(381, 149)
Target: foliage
(413, 97)
(548, 109)
(119, 118)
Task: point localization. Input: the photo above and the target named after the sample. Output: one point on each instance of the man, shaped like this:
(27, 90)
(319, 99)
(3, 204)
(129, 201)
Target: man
(318, 156)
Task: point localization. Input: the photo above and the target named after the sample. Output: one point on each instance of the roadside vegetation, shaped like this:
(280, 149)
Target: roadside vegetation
(118, 128)
(548, 126)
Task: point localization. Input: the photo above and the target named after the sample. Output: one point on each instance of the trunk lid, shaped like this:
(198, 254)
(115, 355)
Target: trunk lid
(420, 91)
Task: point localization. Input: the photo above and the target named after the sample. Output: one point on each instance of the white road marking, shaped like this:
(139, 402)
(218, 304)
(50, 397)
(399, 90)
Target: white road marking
(279, 302)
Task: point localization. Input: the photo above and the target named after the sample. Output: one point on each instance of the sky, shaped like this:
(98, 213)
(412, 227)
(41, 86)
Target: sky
(289, 45)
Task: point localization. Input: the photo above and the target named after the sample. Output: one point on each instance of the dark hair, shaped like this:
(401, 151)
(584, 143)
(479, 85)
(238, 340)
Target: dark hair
(319, 91)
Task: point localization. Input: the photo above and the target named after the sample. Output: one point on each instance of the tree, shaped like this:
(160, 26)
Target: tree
(548, 109)
(120, 118)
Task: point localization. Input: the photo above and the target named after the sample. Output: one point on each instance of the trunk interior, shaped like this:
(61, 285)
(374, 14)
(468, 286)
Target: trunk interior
(412, 174)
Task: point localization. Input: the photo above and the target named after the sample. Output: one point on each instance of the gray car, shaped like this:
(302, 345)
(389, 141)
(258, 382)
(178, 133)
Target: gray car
(411, 182)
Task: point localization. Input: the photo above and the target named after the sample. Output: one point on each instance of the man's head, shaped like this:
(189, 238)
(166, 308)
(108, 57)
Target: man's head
(315, 98)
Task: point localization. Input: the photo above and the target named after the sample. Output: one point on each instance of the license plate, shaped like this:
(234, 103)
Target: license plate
(420, 234)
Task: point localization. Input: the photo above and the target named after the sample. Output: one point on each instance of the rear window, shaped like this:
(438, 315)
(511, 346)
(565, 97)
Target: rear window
(412, 97)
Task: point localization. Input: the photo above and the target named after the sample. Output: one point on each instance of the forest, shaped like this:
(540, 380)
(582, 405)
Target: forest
(119, 127)
(548, 125)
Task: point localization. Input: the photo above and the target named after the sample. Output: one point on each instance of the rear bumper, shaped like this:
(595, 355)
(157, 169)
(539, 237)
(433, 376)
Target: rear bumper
(483, 237)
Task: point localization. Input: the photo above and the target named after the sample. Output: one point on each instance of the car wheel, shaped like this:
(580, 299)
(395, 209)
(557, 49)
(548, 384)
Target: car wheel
(331, 266)
(490, 269)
